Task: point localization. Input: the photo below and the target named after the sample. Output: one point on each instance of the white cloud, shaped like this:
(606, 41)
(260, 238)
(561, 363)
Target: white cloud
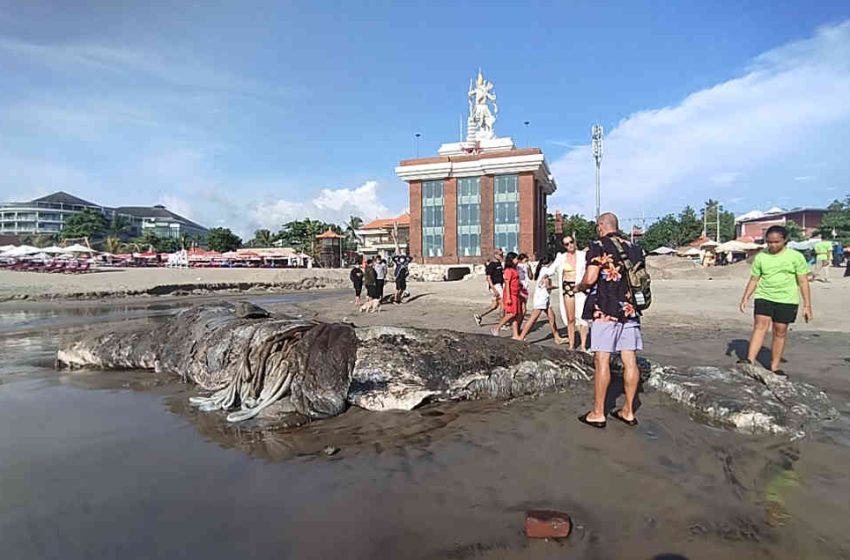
(789, 98)
(804, 178)
(330, 205)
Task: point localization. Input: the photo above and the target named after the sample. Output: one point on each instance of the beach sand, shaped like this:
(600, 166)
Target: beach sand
(453, 480)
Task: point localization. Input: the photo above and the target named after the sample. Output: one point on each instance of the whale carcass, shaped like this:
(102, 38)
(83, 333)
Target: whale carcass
(255, 364)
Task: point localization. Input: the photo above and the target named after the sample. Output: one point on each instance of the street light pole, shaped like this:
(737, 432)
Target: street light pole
(596, 137)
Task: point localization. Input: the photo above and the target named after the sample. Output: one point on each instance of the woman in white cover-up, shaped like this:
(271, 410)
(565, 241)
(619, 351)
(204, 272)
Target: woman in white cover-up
(542, 287)
(569, 268)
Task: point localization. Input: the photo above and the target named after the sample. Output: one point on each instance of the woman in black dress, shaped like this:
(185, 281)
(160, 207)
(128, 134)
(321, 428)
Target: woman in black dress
(356, 277)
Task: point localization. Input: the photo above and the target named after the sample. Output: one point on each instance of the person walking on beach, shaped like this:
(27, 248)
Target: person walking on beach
(380, 276)
(540, 301)
(356, 277)
(837, 254)
(510, 297)
(494, 273)
(846, 261)
(570, 266)
(524, 271)
(370, 280)
(823, 254)
(616, 320)
(401, 272)
(777, 278)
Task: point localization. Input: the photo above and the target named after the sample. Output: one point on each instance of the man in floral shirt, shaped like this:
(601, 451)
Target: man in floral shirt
(616, 322)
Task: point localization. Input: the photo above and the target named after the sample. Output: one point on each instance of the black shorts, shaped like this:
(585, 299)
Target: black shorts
(401, 284)
(358, 289)
(778, 312)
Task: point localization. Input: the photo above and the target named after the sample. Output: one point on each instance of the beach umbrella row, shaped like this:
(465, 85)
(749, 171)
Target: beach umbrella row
(11, 251)
(736, 246)
(662, 251)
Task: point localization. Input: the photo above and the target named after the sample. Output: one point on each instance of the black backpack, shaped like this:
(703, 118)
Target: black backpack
(637, 277)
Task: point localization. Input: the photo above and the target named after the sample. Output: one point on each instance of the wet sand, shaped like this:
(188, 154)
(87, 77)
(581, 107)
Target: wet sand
(107, 464)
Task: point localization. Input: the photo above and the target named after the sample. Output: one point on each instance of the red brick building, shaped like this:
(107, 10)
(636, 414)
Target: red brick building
(474, 198)
(809, 219)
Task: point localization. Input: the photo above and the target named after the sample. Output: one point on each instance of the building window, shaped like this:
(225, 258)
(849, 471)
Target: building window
(506, 212)
(432, 218)
(469, 217)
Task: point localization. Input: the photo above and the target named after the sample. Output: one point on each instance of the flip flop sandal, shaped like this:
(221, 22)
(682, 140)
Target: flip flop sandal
(744, 361)
(583, 419)
(781, 372)
(632, 422)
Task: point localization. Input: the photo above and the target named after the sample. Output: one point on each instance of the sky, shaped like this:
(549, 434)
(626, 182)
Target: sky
(249, 114)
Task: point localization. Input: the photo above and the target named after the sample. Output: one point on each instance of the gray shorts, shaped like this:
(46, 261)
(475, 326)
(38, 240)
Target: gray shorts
(610, 336)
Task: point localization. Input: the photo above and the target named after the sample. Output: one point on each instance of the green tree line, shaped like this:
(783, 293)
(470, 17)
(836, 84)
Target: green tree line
(837, 221)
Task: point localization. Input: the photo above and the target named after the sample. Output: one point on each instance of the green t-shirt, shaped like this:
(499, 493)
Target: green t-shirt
(823, 250)
(778, 275)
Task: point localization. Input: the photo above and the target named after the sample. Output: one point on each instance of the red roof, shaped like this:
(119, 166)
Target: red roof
(330, 234)
(197, 252)
(381, 223)
(698, 242)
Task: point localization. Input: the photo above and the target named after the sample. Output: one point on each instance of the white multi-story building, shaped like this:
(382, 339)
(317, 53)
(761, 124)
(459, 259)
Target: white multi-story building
(385, 236)
(42, 216)
(47, 216)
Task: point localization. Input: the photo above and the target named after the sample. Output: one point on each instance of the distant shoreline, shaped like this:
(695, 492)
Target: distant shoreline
(158, 282)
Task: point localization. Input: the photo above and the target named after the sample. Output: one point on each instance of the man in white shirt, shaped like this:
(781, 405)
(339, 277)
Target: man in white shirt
(380, 275)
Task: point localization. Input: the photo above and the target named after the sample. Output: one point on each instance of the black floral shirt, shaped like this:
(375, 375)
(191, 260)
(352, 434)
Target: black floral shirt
(610, 299)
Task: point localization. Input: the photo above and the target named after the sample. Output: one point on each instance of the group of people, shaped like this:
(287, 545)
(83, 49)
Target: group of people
(592, 287)
(373, 274)
(592, 291)
(510, 282)
(593, 296)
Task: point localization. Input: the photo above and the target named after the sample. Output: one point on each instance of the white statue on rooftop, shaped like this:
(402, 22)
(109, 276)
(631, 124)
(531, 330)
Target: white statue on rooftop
(481, 119)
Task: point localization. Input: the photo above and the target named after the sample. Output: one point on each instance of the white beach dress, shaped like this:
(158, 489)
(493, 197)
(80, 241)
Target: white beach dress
(541, 293)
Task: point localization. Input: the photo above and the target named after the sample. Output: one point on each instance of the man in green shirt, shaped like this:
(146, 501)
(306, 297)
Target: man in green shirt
(823, 252)
(779, 275)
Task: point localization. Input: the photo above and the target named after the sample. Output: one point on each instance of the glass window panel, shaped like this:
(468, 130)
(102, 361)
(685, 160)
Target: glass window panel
(432, 223)
(506, 212)
(468, 216)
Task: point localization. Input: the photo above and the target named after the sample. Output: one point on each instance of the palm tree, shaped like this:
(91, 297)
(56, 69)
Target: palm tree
(119, 226)
(354, 223)
(112, 244)
(262, 238)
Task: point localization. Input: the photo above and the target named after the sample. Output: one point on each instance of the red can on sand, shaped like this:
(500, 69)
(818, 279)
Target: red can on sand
(547, 524)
